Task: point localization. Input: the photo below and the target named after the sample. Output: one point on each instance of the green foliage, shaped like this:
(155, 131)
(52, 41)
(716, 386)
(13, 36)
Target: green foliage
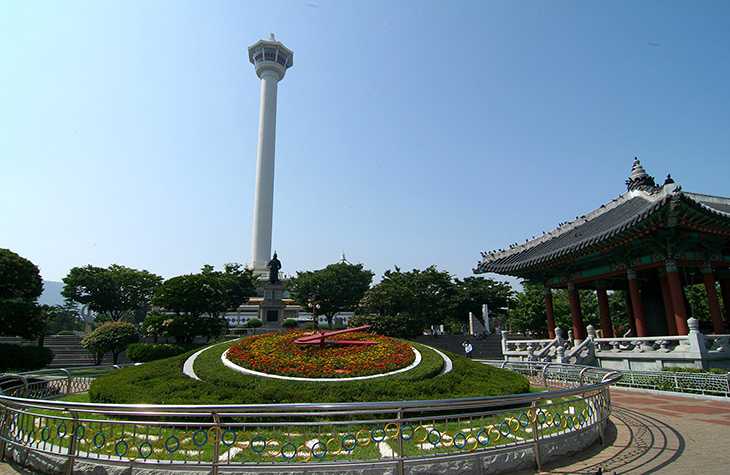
(62, 318)
(253, 323)
(144, 352)
(289, 323)
(427, 295)
(210, 292)
(164, 383)
(697, 370)
(115, 293)
(111, 337)
(699, 306)
(24, 358)
(336, 288)
(473, 292)
(20, 287)
(403, 325)
(154, 326)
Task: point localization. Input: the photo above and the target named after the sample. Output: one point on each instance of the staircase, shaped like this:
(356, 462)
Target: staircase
(489, 347)
(67, 350)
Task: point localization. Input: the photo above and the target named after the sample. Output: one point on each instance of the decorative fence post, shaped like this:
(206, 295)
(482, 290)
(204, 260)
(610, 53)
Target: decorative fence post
(216, 442)
(697, 341)
(401, 454)
(72, 443)
(504, 344)
(535, 436)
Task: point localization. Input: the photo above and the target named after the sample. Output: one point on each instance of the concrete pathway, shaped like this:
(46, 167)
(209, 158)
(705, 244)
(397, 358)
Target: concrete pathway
(653, 433)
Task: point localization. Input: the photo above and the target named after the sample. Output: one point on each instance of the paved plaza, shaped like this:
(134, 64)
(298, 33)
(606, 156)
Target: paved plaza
(654, 433)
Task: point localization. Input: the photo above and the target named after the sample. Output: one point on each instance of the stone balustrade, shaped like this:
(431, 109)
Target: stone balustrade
(626, 353)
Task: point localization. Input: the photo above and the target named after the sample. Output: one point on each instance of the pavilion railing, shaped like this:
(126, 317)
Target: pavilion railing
(261, 437)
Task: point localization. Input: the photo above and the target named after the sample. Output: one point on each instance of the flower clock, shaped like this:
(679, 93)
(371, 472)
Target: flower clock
(313, 355)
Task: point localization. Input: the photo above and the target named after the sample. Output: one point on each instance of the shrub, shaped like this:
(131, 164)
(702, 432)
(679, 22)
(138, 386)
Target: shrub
(143, 352)
(253, 323)
(111, 337)
(289, 323)
(24, 358)
(697, 370)
(154, 326)
(402, 325)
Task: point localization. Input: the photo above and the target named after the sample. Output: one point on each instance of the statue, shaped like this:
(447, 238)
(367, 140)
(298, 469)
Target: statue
(274, 266)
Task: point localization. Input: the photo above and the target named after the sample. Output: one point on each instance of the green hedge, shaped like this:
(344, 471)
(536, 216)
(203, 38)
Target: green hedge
(164, 383)
(144, 352)
(696, 370)
(24, 358)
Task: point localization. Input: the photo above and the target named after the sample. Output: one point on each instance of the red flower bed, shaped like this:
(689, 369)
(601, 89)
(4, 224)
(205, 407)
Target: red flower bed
(276, 353)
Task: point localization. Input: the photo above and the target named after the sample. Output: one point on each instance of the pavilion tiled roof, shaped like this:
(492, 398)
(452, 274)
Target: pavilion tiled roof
(642, 200)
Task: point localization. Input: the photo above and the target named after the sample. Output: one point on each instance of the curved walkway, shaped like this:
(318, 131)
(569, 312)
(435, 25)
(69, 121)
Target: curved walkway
(653, 433)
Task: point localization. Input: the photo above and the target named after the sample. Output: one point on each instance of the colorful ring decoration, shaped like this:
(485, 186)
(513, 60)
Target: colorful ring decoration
(406, 432)
(494, 433)
(349, 442)
(378, 435)
(303, 452)
(472, 447)
(504, 429)
(144, 449)
(514, 424)
(172, 447)
(229, 441)
(416, 438)
(557, 419)
(121, 448)
(198, 443)
(540, 416)
(459, 440)
(329, 444)
(392, 430)
(482, 437)
(79, 434)
(363, 437)
(61, 430)
(524, 419)
(256, 444)
(431, 434)
(319, 450)
(290, 449)
(568, 422)
(46, 433)
(99, 444)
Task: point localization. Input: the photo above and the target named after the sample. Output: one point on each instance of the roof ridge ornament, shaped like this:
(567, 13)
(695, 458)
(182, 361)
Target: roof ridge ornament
(639, 179)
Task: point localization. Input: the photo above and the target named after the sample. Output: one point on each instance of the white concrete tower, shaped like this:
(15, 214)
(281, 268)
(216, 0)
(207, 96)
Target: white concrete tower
(271, 59)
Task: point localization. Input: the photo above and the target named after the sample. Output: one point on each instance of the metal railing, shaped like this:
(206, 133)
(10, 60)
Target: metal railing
(712, 384)
(262, 437)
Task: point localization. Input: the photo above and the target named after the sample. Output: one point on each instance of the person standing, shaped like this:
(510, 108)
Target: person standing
(468, 348)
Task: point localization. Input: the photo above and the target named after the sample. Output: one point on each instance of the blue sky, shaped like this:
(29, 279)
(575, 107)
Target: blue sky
(409, 133)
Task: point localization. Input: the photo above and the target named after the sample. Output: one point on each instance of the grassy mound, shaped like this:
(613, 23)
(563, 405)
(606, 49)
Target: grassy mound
(162, 382)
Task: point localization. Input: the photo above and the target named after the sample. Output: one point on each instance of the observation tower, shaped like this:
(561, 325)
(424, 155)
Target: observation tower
(271, 59)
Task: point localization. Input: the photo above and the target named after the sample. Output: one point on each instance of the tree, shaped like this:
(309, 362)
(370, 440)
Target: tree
(198, 300)
(473, 292)
(528, 311)
(20, 287)
(336, 288)
(115, 293)
(425, 295)
(112, 337)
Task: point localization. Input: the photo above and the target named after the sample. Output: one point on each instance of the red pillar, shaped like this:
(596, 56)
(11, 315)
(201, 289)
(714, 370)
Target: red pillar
(725, 291)
(677, 292)
(549, 312)
(714, 303)
(668, 307)
(636, 305)
(606, 326)
(579, 331)
(630, 313)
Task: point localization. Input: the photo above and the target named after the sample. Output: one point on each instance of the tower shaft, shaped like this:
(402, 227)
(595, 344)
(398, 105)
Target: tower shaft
(264, 197)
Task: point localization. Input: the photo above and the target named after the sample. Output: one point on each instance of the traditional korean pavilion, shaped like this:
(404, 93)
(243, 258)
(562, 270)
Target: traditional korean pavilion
(653, 240)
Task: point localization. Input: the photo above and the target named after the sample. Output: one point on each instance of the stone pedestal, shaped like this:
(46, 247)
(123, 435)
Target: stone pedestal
(271, 307)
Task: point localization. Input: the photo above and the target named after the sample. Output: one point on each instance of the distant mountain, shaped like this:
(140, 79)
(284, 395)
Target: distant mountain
(51, 293)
